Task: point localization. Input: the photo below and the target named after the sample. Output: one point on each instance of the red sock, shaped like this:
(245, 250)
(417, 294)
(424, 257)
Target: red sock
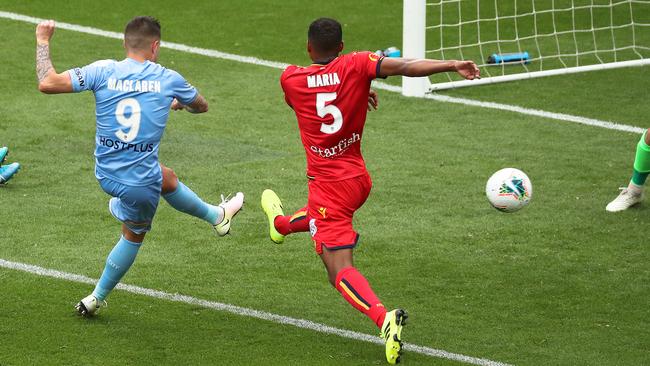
(356, 290)
(296, 223)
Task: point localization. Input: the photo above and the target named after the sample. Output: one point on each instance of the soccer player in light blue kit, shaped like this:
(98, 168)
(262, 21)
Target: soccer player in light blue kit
(133, 99)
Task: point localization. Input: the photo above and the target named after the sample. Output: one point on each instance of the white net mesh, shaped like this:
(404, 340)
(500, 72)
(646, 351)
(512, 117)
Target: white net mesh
(554, 33)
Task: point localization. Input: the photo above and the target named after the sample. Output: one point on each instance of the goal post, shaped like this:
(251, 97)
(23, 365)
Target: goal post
(556, 36)
(414, 44)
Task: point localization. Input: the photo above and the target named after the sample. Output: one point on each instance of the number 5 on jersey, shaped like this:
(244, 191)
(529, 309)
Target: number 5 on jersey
(132, 122)
(323, 110)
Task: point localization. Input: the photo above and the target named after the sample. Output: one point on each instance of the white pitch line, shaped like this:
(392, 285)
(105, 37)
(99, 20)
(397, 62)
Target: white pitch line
(377, 84)
(238, 310)
(538, 113)
(170, 45)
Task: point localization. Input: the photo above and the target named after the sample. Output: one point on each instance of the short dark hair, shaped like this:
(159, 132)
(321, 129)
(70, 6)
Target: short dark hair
(140, 31)
(325, 34)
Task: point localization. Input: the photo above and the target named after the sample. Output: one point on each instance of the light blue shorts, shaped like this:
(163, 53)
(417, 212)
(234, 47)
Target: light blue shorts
(134, 206)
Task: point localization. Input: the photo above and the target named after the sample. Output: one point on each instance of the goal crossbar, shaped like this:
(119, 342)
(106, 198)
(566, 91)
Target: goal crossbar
(537, 74)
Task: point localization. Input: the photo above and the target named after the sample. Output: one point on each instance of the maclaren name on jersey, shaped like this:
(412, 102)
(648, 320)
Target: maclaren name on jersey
(145, 86)
(315, 81)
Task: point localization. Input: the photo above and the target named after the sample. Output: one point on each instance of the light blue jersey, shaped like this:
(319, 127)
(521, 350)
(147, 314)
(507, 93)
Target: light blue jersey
(133, 100)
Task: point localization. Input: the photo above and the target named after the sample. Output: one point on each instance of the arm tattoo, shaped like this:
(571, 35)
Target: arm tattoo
(43, 62)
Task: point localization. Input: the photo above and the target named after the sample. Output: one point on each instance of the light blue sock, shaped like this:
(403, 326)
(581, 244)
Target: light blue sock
(117, 264)
(185, 200)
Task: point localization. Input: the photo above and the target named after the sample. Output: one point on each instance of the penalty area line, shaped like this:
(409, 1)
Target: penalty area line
(377, 84)
(252, 313)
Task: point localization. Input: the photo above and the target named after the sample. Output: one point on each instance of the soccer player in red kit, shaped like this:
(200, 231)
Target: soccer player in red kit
(331, 98)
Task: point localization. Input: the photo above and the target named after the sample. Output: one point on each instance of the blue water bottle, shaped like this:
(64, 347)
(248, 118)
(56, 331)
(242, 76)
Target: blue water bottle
(520, 57)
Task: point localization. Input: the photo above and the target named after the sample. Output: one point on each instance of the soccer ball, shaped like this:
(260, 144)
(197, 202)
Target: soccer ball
(509, 190)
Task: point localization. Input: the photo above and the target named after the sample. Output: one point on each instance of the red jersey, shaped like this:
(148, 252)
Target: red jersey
(330, 102)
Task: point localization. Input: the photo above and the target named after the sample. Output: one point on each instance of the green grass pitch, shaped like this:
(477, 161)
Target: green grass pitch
(560, 283)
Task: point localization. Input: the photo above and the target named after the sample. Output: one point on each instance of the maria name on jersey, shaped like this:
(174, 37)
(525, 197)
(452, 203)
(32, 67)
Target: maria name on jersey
(127, 85)
(315, 81)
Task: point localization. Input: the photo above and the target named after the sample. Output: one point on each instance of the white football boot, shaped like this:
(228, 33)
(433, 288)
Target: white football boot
(89, 305)
(627, 198)
(230, 208)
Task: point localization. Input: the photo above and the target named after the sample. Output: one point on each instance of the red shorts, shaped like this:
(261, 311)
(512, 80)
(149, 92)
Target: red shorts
(331, 207)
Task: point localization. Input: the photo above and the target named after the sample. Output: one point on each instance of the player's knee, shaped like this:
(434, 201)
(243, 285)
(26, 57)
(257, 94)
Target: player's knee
(170, 180)
(131, 235)
(647, 137)
(332, 278)
(331, 274)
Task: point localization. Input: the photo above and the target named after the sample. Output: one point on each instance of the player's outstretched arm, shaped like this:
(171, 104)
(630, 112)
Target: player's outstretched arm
(423, 67)
(199, 105)
(49, 81)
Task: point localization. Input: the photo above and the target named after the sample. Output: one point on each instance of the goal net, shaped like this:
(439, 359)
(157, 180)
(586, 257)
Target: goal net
(520, 39)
